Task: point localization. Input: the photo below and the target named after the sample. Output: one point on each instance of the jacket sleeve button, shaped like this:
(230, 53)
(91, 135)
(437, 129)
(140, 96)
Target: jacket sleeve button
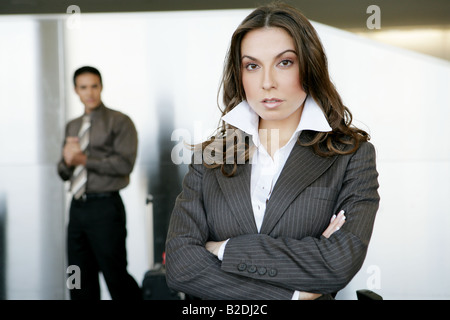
(273, 272)
(262, 271)
(251, 269)
(242, 266)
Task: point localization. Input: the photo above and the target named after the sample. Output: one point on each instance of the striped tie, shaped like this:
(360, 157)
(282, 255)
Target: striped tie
(79, 177)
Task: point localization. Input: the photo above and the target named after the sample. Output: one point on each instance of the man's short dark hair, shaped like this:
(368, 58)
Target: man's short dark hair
(86, 69)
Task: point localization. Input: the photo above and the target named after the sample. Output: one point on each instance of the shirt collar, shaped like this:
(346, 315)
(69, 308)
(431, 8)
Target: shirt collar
(97, 112)
(244, 118)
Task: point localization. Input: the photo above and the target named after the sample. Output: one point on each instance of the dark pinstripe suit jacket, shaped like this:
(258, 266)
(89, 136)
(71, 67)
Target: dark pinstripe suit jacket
(290, 252)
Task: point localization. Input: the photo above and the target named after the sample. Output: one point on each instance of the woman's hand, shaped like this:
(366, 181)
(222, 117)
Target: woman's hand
(335, 224)
(214, 246)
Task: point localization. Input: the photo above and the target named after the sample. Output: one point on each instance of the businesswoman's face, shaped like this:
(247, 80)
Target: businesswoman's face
(271, 76)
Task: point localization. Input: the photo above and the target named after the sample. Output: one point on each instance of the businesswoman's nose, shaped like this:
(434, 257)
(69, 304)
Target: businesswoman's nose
(268, 79)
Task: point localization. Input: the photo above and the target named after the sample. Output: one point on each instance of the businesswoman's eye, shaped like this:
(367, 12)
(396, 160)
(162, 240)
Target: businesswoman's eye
(251, 66)
(285, 63)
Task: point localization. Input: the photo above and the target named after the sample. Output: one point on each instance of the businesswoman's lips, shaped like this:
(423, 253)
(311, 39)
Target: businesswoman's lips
(272, 103)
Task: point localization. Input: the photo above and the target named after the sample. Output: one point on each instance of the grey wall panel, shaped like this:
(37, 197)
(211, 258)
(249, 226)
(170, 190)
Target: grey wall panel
(2, 246)
(32, 114)
(50, 132)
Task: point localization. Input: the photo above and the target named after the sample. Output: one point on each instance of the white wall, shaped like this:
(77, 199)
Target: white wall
(434, 40)
(153, 60)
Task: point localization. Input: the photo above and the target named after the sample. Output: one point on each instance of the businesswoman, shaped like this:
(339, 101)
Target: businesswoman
(283, 203)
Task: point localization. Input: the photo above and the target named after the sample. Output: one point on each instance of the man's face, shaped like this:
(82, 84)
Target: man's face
(89, 88)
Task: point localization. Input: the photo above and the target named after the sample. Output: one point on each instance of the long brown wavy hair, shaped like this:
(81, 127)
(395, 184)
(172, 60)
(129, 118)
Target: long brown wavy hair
(314, 78)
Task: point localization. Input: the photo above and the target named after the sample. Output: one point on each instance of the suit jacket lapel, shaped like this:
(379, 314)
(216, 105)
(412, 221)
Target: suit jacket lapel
(302, 168)
(237, 193)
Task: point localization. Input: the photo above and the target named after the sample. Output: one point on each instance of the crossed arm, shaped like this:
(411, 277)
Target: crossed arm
(116, 159)
(335, 224)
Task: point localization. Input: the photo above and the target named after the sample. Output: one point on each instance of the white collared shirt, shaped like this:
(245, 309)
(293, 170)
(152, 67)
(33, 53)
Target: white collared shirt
(265, 170)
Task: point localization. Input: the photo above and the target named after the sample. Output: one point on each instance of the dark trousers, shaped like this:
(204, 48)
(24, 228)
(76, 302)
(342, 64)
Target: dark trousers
(96, 242)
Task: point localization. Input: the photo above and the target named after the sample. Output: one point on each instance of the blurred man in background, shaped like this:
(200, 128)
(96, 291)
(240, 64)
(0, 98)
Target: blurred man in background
(98, 156)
